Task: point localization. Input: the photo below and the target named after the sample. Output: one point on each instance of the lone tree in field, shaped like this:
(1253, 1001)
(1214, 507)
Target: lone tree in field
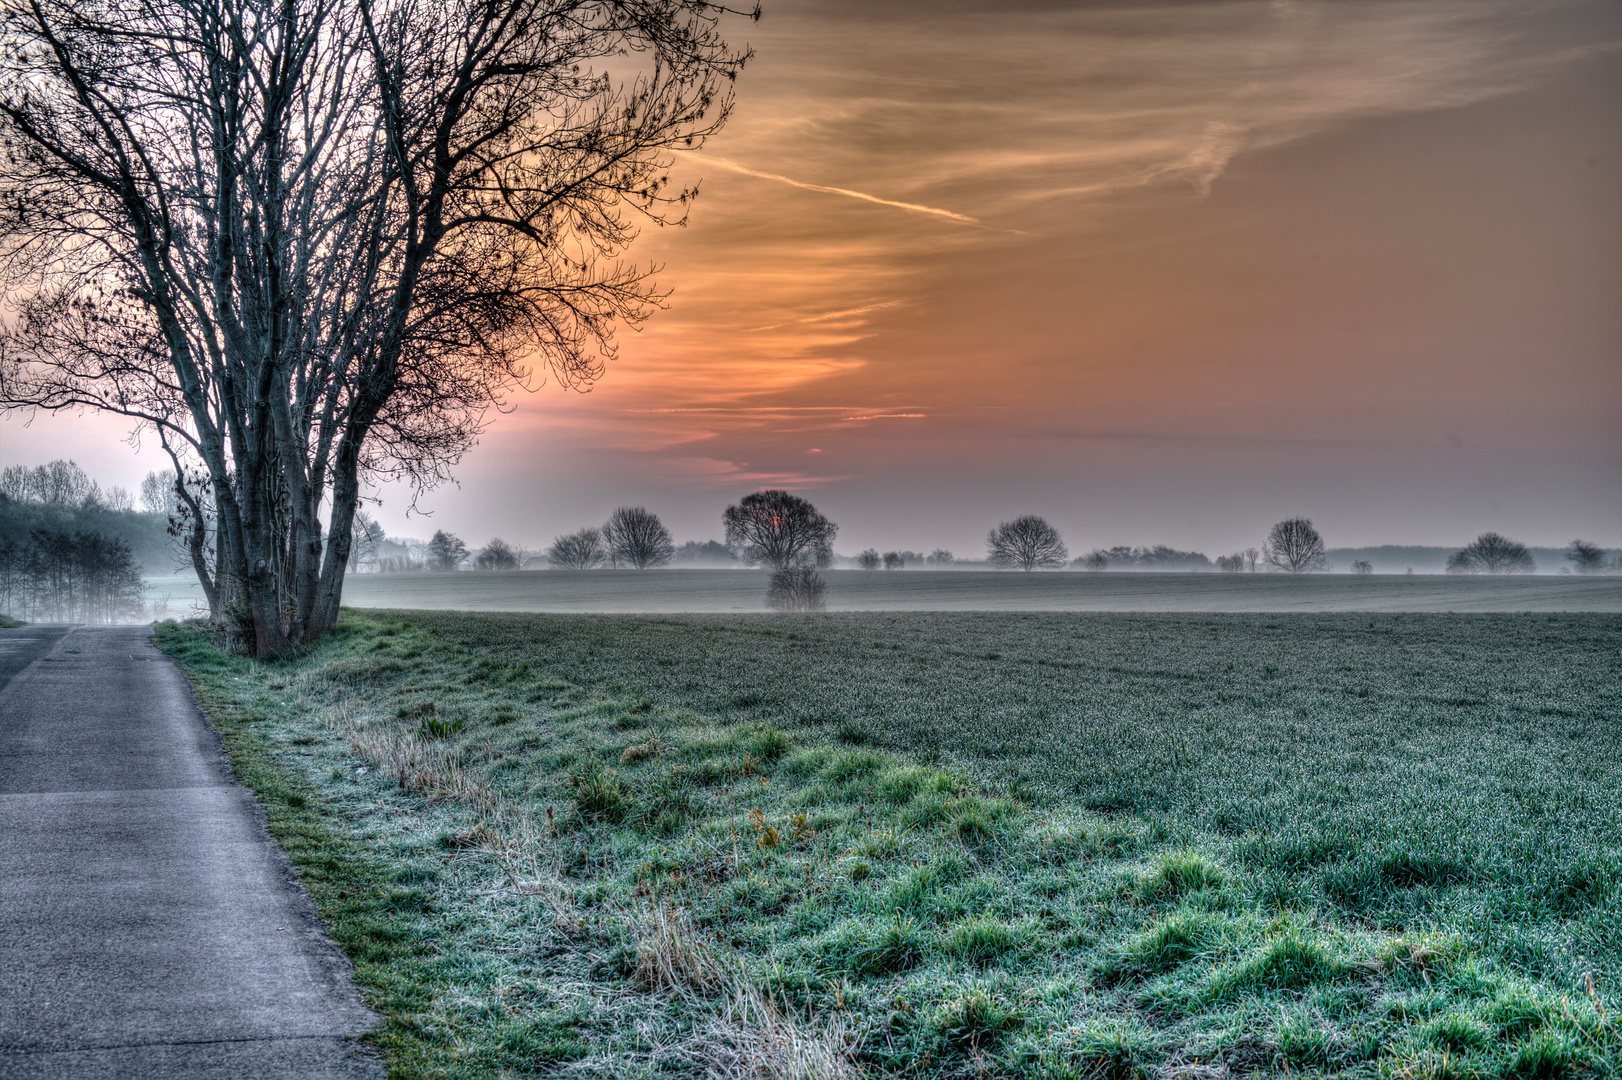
(446, 551)
(1490, 553)
(1586, 558)
(581, 550)
(636, 538)
(869, 559)
(1027, 542)
(309, 244)
(780, 530)
(497, 555)
(1295, 547)
(797, 588)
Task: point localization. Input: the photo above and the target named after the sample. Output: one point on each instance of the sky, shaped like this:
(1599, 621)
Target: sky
(1160, 272)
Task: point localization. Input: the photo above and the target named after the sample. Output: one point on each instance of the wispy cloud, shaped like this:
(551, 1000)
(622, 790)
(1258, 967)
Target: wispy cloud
(914, 208)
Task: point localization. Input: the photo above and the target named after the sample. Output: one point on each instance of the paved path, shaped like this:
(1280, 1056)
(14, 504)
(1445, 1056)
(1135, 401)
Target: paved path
(149, 927)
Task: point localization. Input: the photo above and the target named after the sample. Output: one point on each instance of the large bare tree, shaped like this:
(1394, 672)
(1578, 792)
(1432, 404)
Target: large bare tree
(309, 243)
(636, 538)
(1295, 547)
(1028, 542)
(780, 529)
(1491, 553)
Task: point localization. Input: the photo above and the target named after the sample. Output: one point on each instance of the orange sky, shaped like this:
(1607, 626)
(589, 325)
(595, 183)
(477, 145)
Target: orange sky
(1163, 273)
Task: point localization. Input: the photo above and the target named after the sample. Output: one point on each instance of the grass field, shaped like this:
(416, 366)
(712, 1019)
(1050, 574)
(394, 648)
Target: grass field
(623, 591)
(957, 845)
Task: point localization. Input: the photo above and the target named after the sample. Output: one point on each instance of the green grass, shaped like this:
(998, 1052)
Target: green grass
(956, 845)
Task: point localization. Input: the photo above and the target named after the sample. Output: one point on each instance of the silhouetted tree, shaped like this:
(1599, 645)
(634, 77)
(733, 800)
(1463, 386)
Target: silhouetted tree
(1491, 553)
(1362, 566)
(312, 243)
(869, 559)
(497, 555)
(894, 560)
(1231, 564)
(1026, 542)
(1295, 547)
(1586, 558)
(797, 588)
(780, 530)
(445, 551)
(57, 576)
(940, 559)
(1094, 561)
(581, 550)
(56, 483)
(636, 538)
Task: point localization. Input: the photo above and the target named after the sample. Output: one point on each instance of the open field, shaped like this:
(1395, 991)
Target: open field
(609, 591)
(954, 845)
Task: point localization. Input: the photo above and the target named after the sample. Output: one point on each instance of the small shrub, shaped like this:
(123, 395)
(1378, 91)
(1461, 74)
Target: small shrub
(975, 1019)
(1293, 962)
(1182, 872)
(797, 588)
(981, 939)
(598, 795)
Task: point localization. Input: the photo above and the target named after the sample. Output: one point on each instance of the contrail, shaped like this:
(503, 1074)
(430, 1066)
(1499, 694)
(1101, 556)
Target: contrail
(915, 208)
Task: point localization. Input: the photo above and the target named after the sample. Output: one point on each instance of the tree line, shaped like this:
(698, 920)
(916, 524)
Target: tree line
(79, 577)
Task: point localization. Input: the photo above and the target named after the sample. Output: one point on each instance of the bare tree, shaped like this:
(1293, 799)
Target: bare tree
(1252, 556)
(1231, 564)
(1586, 558)
(1362, 566)
(636, 538)
(869, 559)
(940, 559)
(158, 494)
(1094, 561)
(894, 560)
(797, 588)
(780, 530)
(310, 244)
(1027, 542)
(445, 551)
(497, 555)
(1295, 547)
(369, 536)
(581, 550)
(1491, 553)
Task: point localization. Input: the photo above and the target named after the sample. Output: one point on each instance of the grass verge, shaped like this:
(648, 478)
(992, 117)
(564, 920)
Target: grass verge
(534, 877)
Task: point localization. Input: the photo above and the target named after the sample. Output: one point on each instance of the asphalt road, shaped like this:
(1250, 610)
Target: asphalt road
(149, 926)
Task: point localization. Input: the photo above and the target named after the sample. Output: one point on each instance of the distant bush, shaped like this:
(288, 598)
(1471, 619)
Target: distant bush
(1094, 561)
(1586, 558)
(446, 551)
(940, 558)
(894, 560)
(1491, 553)
(1362, 566)
(1158, 557)
(1230, 564)
(497, 555)
(708, 553)
(869, 560)
(581, 550)
(797, 588)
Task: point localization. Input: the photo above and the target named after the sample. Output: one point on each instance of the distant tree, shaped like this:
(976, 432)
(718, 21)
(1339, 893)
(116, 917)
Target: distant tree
(940, 559)
(1295, 547)
(710, 552)
(369, 537)
(1231, 564)
(1026, 542)
(780, 530)
(1252, 556)
(1094, 561)
(797, 588)
(869, 560)
(1586, 558)
(894, 560)
(497, 555)
(158, 494)
(581, 550)
(1491, 553)
(1362, 566)
(635, 538)
(58, 576)
(445, 551)
(56, 483)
